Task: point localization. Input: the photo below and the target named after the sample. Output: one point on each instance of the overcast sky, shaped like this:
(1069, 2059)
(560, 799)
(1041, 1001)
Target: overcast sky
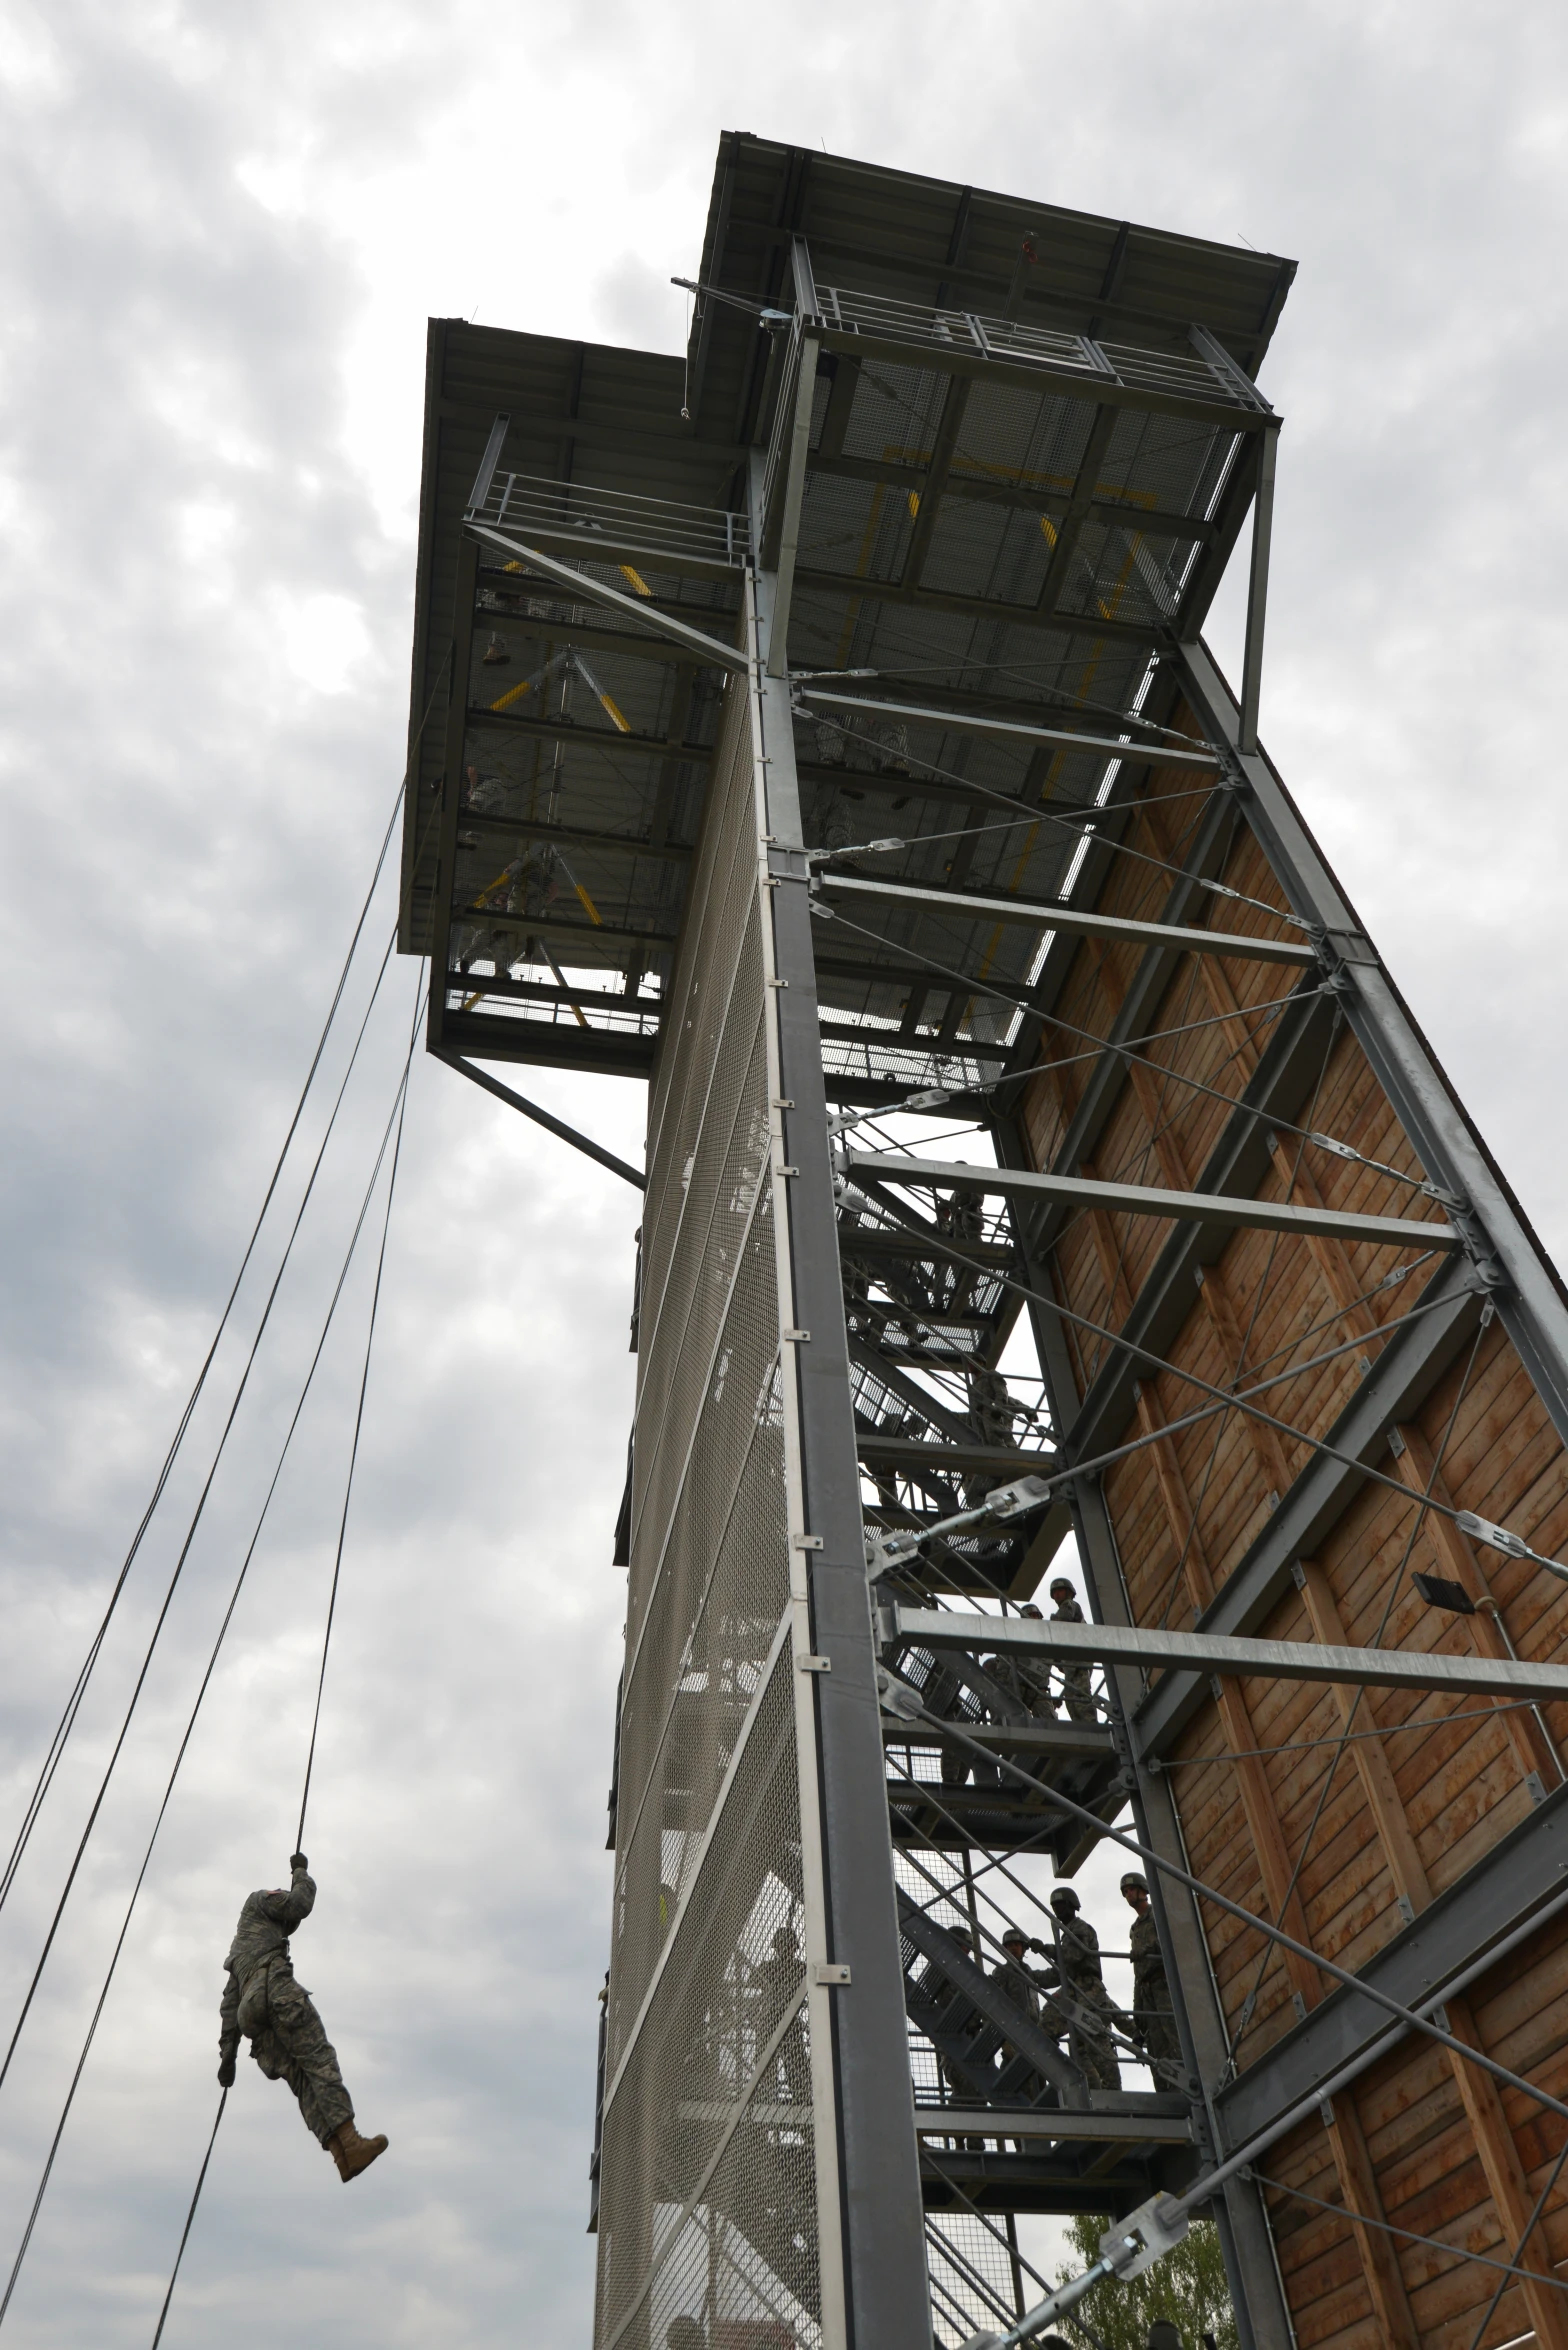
(224, 229)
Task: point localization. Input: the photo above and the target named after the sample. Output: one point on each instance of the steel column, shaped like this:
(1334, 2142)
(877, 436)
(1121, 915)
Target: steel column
(1258, 587)
(887, 2304)
(451, 788)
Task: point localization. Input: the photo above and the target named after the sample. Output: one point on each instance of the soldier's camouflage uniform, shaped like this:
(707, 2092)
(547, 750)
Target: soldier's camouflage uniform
(1030, 1993)
(1028, 1679)
(1078, 1961)
(1151, 1997)
(263, 2002)
(1075, 1678)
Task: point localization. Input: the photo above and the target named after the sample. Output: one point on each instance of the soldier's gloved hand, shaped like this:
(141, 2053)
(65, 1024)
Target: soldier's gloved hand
(226, 2073)
(297, 1860)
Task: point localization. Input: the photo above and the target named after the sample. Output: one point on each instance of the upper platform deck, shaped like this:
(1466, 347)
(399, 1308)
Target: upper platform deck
(998, 453)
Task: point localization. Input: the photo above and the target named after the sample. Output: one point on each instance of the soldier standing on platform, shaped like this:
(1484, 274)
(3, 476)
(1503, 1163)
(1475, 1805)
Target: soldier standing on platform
(1153, 2021)
(1078, 1963)
(1075, 1678)
(1028, 1678)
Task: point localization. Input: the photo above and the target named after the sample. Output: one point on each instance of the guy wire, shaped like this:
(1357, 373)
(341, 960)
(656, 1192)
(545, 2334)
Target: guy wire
(73, 1703)
(191, 1531)
(396, 1111)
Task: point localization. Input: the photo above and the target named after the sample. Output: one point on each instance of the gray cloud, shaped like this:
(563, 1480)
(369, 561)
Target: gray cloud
(224, 231)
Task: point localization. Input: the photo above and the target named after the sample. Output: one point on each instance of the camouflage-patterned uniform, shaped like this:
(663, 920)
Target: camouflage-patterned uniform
(1075, 1678)
(1028, 1679)
(262, 2001)
(1151, 1997)
(992, 1413)
(1030, 1991)
(1078, 1962)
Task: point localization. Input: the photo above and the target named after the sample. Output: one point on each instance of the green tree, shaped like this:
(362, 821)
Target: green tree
(1187, 2287)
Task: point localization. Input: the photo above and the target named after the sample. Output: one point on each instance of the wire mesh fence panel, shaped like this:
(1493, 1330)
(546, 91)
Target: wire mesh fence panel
(708, 2198)
(708, 2195)
(692, 1719)
(722, 1234)
(721, 913)
(976, 2281)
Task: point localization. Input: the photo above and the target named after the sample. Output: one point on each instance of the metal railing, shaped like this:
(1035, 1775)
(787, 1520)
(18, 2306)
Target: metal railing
(607, 525)
(1207, 374)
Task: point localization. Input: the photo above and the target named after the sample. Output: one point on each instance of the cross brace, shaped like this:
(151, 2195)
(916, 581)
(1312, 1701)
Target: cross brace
(1053, 1741)
(1166, 935)
(998, 2121)
(593, 591)
(975, 722)
(1143, 1199)
(1213, 1652)
(899, 1452)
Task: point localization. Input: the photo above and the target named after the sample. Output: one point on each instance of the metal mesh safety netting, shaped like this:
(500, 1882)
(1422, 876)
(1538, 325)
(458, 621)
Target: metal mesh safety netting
(707, 2208)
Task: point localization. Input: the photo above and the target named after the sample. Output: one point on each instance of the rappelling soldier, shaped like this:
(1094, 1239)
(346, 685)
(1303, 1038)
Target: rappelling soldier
(1153, 2022)
(263, 2003)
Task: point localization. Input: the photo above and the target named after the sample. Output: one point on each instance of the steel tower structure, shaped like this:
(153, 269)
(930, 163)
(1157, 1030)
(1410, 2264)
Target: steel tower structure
(820, 728)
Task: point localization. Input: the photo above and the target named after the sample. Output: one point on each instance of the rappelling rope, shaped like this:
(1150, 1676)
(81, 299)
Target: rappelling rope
(185, 1548)
(67, 1721)
(394, 1114)
(359, 1421)
(73, 1703)
(185, 2232)
(332, 1601)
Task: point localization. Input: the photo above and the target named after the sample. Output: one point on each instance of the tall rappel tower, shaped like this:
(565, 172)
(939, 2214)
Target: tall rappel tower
(1043, 1177)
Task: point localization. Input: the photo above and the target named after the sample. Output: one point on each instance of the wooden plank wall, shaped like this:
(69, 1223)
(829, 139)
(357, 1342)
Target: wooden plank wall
(1342, 1842)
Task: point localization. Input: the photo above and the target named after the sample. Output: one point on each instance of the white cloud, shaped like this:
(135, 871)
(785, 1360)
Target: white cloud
(325, 640)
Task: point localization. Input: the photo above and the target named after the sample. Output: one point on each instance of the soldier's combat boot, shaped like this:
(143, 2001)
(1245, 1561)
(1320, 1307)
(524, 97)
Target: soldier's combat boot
(352, 2153)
